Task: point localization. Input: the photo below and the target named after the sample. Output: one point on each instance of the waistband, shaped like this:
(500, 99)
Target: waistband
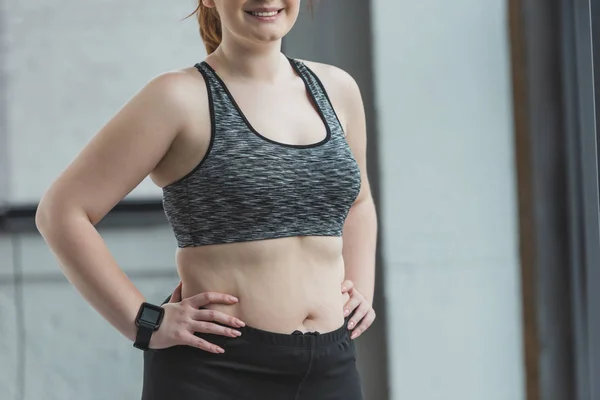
(297, 338)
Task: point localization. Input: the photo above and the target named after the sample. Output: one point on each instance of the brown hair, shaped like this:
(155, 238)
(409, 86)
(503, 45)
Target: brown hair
(210, 25)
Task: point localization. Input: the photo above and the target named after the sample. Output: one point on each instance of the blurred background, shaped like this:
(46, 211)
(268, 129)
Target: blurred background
(483, 159)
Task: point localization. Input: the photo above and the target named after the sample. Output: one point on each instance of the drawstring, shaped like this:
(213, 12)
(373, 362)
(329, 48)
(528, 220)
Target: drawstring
(297, 332)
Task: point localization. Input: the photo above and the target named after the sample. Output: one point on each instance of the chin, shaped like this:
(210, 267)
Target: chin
(266, 37)
(269, 38)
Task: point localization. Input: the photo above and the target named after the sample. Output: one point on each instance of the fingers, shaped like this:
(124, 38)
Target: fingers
(194, 341)
(217, 316)
(202, 299)
(347, 285)
(359, 314)
(176, 296)
(212, 328)
(352, 304)
(366, 322)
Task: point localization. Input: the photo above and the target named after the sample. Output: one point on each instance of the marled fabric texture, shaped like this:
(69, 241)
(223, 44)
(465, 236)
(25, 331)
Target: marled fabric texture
(248, 187)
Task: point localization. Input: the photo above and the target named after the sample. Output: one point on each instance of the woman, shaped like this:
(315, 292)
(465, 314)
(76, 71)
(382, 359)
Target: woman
(262, 163)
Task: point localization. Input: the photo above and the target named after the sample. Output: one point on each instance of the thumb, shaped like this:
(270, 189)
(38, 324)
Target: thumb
(176, 296)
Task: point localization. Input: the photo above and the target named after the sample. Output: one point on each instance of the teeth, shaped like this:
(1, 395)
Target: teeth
(265, 14)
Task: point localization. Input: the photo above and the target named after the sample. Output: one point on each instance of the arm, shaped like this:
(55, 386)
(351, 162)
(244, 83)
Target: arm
(360, 228)
(114, 162)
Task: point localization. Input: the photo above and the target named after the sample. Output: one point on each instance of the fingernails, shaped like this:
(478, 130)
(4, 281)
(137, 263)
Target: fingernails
(346, 312)
(236, 333)
(344, 288)
(234, 299)
(351, 325)
(220, 350)
(354, 336)
(240, 323)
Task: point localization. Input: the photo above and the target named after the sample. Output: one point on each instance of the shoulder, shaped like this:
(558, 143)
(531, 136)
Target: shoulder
(176, 80)
(176, 83)
(176, 89)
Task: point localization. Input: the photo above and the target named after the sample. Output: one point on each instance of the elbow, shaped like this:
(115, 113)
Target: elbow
(43, 217)
(51, 214)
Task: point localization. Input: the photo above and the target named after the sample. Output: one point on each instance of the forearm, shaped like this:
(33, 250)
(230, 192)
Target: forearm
(360, 243)
(89, 266)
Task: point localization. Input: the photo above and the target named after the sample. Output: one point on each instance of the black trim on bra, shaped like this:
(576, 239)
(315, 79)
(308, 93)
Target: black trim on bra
(213, 130)
(254, 131)
(314, 75)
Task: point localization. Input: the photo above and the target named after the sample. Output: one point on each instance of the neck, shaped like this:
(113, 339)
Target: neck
(249, 61)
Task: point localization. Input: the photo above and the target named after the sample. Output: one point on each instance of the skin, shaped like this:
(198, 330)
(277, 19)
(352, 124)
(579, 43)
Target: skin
(280, 285)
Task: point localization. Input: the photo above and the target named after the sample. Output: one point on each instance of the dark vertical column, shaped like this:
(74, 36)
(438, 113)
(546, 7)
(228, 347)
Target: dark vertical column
(594, 273)
(548, 187)
(557, 159)
(339, 33)
(580, 129)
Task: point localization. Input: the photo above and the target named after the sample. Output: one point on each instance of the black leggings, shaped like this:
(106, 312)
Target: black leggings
(258, 365)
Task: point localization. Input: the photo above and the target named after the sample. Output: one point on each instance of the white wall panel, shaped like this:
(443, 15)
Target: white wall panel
(449, 208)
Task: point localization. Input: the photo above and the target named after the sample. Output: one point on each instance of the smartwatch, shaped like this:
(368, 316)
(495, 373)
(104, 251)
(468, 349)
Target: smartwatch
(148, 320)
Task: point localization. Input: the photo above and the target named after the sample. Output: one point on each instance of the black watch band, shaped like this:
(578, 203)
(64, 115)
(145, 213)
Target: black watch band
(142, 339)
(148, 320)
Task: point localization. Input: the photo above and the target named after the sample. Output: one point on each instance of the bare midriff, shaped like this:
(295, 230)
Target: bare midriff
(283, 285)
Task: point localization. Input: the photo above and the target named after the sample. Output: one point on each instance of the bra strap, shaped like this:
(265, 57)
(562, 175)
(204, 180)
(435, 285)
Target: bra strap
(222, 103)
(319, 94)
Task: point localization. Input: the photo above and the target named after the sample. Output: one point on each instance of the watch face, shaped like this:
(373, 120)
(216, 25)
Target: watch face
(150, 316)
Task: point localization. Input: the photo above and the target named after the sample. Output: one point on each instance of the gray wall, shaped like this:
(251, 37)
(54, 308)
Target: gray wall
(443, 91)
(69, 65)
(44, 322)
(3, 107)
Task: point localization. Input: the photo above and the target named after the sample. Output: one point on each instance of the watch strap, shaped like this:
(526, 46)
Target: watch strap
(142, 339)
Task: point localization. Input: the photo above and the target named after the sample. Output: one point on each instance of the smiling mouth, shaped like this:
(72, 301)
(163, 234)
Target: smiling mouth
(264, 14)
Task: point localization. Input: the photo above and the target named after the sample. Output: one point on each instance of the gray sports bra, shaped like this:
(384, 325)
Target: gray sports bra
(249, 187)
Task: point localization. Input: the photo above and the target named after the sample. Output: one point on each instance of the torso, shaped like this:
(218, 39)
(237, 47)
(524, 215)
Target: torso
(283, 284)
